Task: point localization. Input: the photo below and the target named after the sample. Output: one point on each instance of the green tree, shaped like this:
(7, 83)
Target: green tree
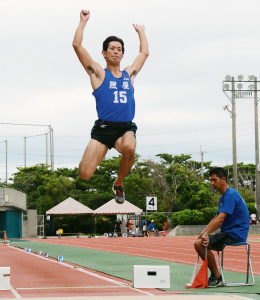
(185, 183)
(43, 187)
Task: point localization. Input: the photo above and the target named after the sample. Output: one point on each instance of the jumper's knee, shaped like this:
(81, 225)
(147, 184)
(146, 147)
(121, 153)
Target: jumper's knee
(84, 172)
(129, 153)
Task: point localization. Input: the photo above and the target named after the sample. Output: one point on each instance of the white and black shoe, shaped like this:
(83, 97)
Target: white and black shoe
(215, 281)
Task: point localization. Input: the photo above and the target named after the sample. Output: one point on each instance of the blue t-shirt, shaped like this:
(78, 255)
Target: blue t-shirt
(115, 98)
(236, 222)
(151, 226)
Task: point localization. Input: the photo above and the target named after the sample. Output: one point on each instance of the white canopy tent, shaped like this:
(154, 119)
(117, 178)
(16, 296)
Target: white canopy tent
(70, 206)
(114, 208)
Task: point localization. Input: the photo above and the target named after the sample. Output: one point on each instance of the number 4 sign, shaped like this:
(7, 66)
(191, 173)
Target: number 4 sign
(151, 203)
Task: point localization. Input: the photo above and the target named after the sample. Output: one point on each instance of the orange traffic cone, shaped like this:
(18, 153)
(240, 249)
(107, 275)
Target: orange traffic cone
(5, 237)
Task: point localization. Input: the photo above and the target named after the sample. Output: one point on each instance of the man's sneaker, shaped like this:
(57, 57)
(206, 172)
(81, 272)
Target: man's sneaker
(119, 193)
(215, 281)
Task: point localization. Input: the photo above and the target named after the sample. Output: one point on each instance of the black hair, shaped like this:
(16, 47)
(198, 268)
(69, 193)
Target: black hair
(113, 39)
(220, 172)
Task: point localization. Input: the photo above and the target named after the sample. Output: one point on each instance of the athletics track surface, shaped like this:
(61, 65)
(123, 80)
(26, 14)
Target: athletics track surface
(36, 276)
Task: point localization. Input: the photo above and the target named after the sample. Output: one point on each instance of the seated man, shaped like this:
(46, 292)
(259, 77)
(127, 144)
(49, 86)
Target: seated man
(152, 228)
(232, 218)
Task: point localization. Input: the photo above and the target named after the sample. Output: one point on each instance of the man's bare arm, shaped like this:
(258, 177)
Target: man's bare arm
(216, 223)
(208, 226)
(212, 226)
(94, 70)
(143, 53)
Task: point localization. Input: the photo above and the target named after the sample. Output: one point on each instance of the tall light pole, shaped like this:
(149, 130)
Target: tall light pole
(46, 136)
(226, 86)
(6, 179)
(51, 148)
(202, 162)
(235, 87)
(257, 166)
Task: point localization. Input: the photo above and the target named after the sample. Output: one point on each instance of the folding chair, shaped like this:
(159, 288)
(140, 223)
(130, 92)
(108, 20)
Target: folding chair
(249, 265)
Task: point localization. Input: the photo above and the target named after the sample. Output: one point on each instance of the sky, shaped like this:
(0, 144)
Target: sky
(193, 45)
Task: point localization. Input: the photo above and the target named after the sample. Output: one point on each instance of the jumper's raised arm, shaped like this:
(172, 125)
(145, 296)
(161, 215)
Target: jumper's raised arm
(138, 63)
(94, 70)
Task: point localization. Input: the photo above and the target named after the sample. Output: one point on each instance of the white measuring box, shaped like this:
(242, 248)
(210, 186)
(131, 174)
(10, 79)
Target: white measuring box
(151, 276)
(5, 278)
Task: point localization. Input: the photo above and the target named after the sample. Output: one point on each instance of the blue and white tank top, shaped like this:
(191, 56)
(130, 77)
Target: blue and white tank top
(115, 98)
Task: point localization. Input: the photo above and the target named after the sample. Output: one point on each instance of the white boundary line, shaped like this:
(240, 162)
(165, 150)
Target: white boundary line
(83, 271)
(13, 290)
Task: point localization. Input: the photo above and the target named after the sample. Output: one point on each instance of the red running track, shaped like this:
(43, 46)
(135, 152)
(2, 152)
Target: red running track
(36, 276)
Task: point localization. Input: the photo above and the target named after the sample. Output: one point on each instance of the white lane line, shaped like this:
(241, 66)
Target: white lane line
(17, 295)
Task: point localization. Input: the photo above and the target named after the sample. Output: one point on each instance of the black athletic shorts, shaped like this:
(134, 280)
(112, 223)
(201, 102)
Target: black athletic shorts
(219, 239)
(108, 133)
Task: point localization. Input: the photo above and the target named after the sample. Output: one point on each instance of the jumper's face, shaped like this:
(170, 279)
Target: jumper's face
(114, 52)
(216, 182)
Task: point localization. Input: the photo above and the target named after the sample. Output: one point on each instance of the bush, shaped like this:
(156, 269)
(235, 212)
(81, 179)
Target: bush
(105, 224)
(251, 208)
(209, 213)
(194, 217)
(158, 220)
(188, 217)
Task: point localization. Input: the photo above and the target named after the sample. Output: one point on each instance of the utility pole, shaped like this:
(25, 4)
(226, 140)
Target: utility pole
(46, 148)
(202, 166)
(25, 151)
(51, 148)
(257, 166)
(240, 92)
(6, 180)
(226, 87)
(234, 142)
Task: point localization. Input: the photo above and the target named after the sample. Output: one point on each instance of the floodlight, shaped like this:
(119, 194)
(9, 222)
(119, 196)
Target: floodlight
(225, 107)
(240, 77)
(251, 77)
(251, 87)
(226, 86)
(240, 86)
(228, 78)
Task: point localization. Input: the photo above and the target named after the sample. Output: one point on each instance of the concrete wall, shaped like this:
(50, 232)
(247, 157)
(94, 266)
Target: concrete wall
(12, 199)
(30, 224)
(197, 229)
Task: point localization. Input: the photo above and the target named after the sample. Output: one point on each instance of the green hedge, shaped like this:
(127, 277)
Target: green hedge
(209, 213)
(201, 217)
(251, 208)
(158, 218)
(194, 217)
